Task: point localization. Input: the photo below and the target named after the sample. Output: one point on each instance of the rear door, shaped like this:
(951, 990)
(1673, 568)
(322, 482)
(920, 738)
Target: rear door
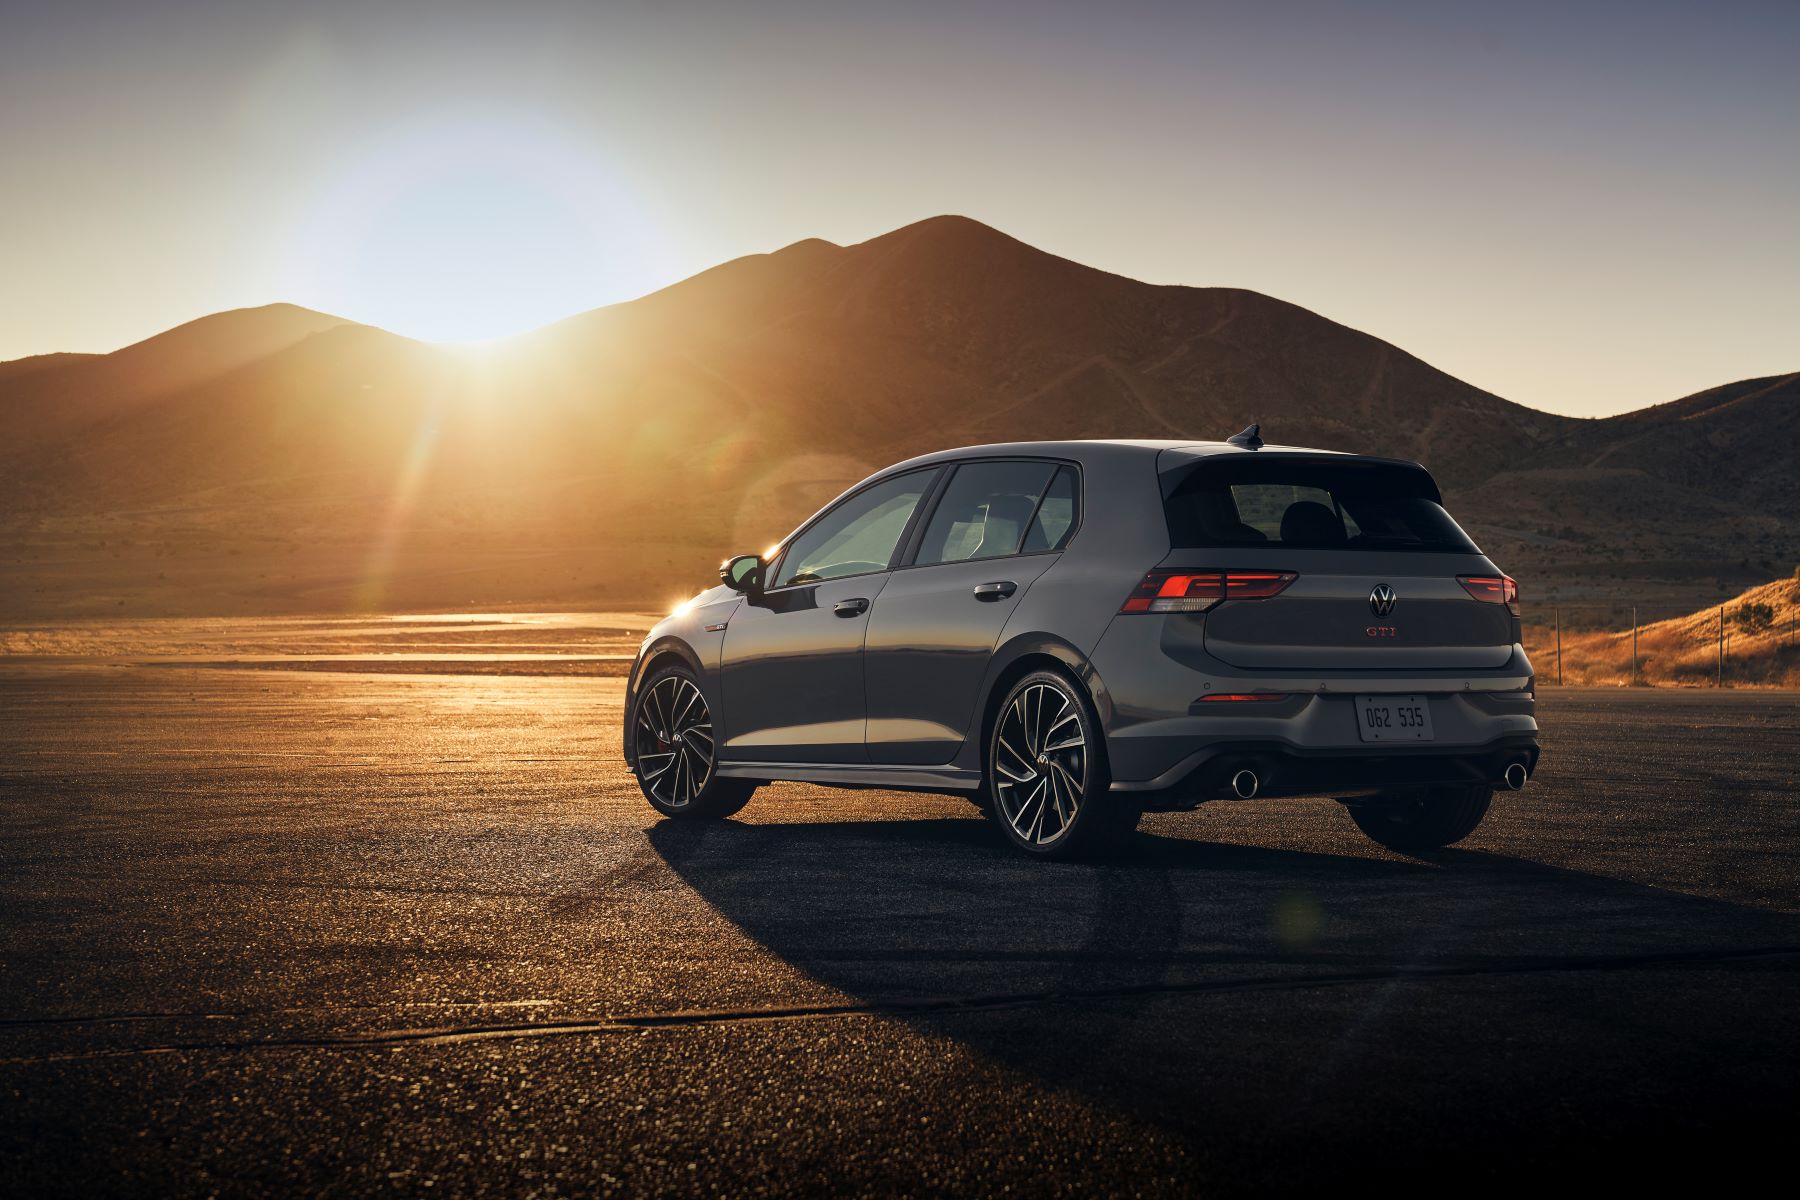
(1383, 577)
(997, 525)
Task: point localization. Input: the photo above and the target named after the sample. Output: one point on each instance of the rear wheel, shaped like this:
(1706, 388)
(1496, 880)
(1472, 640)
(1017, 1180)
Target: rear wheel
(1426, 819)
(1047, 784)
(672, 733)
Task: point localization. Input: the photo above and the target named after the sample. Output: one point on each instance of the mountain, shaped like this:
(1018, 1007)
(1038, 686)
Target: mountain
(38, 362)
(952, 321)
(1742, 428)
(55, 396)
(279, 459)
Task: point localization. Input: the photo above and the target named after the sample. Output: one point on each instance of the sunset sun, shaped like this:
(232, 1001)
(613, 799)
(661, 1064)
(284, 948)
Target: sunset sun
(474, 230)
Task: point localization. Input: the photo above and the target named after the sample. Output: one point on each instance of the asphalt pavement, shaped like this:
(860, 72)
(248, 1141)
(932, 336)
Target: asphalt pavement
(268, 931)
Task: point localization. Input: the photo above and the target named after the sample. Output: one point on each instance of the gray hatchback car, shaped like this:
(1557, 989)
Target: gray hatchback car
(1072, 633)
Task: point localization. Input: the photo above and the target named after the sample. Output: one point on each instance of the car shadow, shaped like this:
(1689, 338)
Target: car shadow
(1278, 1009)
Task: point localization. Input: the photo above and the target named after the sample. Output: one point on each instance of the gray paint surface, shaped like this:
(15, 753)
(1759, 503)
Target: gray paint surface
(905, 684)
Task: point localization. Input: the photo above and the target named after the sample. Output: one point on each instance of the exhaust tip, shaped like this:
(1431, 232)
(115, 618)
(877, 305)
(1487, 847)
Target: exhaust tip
(1515, 776)
(1244, 784)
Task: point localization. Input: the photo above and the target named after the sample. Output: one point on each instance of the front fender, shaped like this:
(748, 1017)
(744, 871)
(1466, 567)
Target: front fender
(694, 636)
(655, 649)
(652, 655)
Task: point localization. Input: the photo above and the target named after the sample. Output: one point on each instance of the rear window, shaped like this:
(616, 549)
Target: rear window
(1307, 503)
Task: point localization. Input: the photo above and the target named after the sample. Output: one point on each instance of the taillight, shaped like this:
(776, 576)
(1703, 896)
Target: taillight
(1197, 591)
(1493, 589)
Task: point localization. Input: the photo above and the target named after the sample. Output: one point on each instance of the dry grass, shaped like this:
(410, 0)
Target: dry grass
(1683, 651)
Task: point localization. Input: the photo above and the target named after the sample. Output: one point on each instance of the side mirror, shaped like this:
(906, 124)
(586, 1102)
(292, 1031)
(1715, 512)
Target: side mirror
(742, 574)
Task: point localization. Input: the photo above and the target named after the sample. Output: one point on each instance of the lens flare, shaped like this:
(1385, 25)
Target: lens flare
(414, 465)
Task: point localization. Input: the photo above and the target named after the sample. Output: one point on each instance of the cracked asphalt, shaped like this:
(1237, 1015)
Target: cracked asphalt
(279, 932)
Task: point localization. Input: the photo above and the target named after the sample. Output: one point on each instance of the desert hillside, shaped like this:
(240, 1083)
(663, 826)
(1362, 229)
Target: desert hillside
(283, 460)
(1753, 638)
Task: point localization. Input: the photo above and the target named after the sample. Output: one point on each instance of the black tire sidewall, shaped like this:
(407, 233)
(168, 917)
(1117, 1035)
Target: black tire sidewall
(720, 797)
(1437, 818)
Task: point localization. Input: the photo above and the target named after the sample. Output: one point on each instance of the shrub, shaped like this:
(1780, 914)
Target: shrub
(1753, 618)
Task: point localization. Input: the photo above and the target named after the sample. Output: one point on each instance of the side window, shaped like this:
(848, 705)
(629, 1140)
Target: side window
(1057, 515)
(984, 511)
(858, 536)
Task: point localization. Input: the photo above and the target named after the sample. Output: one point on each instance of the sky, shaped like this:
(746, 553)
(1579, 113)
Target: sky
(1585, 208)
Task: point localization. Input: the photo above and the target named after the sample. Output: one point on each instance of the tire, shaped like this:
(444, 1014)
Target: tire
(1046, 785)
(1428, 819)
(675, 753)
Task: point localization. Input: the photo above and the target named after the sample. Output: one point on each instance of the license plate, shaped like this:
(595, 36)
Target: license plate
(1394, 718)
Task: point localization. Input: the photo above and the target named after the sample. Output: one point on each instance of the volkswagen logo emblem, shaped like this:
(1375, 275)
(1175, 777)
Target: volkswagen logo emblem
(1382, 599)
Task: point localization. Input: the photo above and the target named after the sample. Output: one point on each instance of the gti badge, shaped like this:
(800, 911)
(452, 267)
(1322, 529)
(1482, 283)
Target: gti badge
(1381, 599)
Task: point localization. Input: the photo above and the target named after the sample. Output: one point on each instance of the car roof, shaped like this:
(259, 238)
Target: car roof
(1115, 452)
(1082, 450)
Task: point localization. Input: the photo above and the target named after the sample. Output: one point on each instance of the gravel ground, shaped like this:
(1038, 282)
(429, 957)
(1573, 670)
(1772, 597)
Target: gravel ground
(329, 933)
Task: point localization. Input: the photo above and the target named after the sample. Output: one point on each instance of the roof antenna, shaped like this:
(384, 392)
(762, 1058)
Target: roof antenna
(1250, 439)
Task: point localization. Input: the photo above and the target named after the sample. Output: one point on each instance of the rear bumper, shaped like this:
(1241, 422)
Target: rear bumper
(1284, 769)
(1164, 736)
(1151, 753)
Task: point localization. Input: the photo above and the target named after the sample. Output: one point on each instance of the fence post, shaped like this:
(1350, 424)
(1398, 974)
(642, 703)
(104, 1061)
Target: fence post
(1634, 643)
(1721, 646)
(1558, 611)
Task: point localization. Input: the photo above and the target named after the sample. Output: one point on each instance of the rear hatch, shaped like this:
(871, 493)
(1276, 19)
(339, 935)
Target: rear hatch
(1333, 562)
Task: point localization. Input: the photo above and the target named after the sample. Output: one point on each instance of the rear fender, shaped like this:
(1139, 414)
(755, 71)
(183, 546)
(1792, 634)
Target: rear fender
(1010, 660)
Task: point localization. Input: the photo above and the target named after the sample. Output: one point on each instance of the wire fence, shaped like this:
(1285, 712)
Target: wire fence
(1741, 643)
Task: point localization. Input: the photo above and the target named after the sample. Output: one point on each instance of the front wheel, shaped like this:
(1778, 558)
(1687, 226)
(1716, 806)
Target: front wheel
(672, 733)
(1047, 782)
(1427, 819)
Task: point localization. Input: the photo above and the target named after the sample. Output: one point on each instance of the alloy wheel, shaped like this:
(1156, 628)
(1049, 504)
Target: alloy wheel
(674, 741)
(1040, 764)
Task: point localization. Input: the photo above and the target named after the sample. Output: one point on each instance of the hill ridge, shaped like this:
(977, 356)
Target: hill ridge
(718, 410)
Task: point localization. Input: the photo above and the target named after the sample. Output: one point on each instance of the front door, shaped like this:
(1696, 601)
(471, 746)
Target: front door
(791, 672)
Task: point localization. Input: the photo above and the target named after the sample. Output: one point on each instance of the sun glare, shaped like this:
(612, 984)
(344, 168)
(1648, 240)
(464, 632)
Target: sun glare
(473, 231)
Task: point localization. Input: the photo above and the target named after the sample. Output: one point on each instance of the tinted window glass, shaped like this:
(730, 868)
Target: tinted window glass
(856, 537)
(984, 511)
(1056, 515)
(1315, 505)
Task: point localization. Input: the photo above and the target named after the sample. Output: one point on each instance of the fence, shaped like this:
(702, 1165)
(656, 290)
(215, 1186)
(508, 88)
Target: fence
(1739, 643)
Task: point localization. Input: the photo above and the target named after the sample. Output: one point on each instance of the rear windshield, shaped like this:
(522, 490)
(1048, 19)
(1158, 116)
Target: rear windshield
(1320, 505)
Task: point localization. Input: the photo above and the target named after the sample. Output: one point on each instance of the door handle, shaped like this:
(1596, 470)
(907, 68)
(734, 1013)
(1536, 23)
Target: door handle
(851, 608)
(998, 590)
